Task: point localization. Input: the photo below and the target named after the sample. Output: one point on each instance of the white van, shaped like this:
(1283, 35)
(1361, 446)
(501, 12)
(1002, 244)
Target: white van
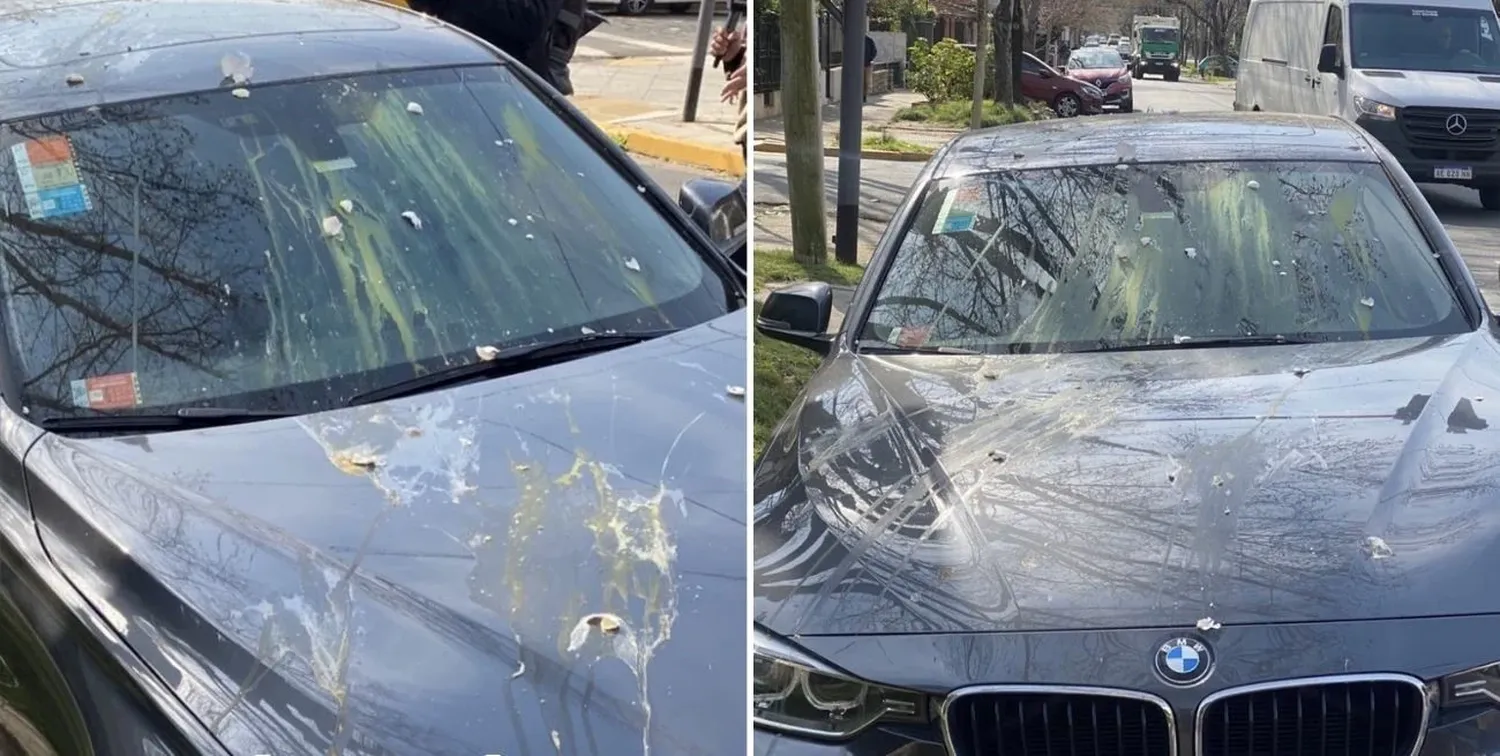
(1422, 77)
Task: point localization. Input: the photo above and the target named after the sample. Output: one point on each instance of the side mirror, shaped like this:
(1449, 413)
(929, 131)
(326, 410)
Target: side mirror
(1328, 60)
(715, 206)
(799, 314)
(1044, 73)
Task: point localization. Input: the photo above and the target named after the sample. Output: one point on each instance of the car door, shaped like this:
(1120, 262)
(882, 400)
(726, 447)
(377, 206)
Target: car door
(1037, 83)
(1327, 90)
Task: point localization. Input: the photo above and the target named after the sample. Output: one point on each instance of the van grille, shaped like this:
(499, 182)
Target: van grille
(1430, 126)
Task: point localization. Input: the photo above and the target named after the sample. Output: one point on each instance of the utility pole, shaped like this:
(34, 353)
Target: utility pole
(804, 130)
(851, 131)
(976, 112)
(700, 51)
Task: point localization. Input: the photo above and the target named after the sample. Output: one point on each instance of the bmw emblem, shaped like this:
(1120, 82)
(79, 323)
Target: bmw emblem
(1184, 662)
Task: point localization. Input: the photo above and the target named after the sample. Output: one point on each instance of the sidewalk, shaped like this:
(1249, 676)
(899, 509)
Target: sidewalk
(609, 91)
(879, 117)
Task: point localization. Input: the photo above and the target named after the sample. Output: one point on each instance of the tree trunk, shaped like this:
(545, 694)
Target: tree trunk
(976, 111)
(1017, 45)
(804, 131)
(1005, 80)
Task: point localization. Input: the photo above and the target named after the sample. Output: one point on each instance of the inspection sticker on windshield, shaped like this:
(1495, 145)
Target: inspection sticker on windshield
(1424, 12)
(49, 178)
(107, 392)
(958, 212)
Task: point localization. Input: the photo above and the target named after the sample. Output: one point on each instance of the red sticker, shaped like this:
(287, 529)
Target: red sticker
(107, 392)
(913, 336)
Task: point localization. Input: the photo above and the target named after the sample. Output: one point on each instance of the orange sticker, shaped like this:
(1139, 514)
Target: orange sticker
(47, 150)
(107, 392)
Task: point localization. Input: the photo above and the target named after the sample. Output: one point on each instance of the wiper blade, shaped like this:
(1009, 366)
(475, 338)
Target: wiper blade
(186, 417)
(881, 347)
(509, 362)
(1205, 343)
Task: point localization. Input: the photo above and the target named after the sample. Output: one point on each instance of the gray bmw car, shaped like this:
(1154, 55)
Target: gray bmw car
(360, 397)
(1150, 437)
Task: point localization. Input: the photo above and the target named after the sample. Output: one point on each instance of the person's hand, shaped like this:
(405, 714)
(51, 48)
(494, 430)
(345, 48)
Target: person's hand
(727, 44)
(735, 86)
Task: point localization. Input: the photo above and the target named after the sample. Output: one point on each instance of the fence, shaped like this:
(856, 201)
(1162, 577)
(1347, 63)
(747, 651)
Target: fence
(766, 54)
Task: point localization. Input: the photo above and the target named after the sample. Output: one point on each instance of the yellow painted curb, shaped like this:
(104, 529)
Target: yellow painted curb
(649, 144)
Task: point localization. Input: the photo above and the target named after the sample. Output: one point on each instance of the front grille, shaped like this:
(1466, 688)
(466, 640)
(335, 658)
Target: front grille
(1344, 718)
(1052, 724)
(1430, 126)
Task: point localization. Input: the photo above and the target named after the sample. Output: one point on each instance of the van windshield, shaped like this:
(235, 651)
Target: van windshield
(1424, 38)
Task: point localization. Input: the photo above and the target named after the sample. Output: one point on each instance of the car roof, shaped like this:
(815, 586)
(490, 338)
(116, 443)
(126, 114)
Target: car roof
(1159, 138)
(68, 54)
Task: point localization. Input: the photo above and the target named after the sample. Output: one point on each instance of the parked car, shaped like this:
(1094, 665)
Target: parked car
(638, 7)
(1067, 96)
(1105, 69)
(360, 397)
(1138, 433)
(1224, 66)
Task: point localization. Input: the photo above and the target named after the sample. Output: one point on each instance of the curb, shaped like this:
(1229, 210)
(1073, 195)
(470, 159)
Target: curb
(779, 148)
(681, 151)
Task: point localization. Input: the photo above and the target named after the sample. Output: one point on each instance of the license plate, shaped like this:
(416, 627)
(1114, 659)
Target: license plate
(1453, 173)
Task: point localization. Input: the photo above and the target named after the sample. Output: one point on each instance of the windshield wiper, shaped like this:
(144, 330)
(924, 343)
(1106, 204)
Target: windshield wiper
(509, 362)
(882, 347)
(186, 417)
(1205, 343)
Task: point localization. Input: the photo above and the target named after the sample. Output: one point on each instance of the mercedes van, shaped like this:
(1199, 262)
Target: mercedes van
(1422, 77)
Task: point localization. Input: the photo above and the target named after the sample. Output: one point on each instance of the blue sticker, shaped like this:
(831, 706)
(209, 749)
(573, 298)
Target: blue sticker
(65, 200)
(958, 223)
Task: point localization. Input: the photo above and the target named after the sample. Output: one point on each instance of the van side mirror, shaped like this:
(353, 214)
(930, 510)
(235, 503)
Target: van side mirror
(1328, 61)
(799, 315)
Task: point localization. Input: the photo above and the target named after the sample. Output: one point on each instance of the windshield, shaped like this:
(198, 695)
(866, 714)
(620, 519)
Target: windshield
(1099, 58)
(1424, 38)
(1098, 257)
(288, 247)
(1158, 34)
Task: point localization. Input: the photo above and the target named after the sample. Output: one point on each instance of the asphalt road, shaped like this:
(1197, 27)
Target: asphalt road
(884, 184)
(649, 35)
(671, 177)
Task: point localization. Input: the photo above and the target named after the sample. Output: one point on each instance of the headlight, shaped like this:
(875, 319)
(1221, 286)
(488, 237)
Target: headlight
(798, 694)
(1092, 90)
(1476, 687)
(1374, 109)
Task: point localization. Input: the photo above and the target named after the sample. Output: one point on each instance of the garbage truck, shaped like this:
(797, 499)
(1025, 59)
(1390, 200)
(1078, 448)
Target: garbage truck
(1157, 45)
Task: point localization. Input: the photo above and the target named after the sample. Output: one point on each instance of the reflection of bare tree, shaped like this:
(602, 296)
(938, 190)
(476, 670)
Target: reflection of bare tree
(1120, 253)
(132, 272)
(1092, 519)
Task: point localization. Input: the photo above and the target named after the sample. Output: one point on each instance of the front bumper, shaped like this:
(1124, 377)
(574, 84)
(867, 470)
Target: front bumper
(1427, 649)
(1159, 66)
(1422, 159)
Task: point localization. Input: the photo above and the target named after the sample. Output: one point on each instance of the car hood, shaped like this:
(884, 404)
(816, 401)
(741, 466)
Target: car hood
(1428, 89)
(551, 562)
(1094, 75)
(935, 494)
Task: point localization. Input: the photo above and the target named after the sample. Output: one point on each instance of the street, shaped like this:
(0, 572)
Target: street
(651, 35)
(671, 177)
(883, 185)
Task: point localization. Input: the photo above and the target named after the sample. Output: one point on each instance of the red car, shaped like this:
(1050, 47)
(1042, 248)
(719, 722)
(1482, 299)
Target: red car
(1106, 69)
(1067, 96)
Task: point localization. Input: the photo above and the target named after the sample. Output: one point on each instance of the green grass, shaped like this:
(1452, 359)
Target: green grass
(887, 143)
(781, 370)
(956, 114)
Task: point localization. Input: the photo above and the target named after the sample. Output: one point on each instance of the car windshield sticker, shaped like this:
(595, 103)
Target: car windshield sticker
(1424, 12)
(107, 392)
(1484, 29)
(337, 164)
(49, 178)
(960, 209)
